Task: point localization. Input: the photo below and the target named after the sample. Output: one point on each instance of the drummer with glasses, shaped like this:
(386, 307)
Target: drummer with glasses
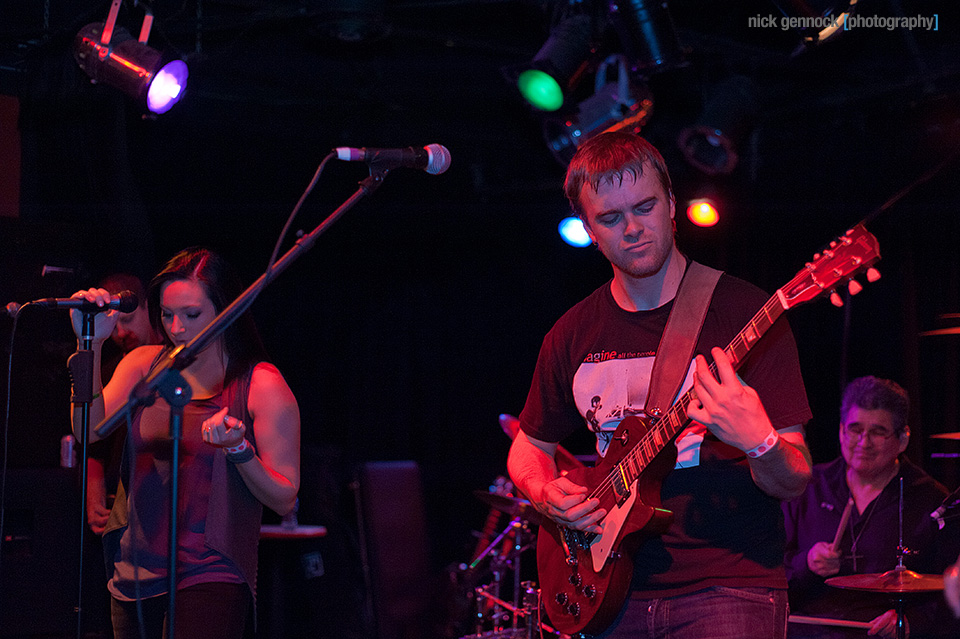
(847, 522)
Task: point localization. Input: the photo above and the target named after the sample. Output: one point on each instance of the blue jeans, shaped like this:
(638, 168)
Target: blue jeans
(713, 613)
(204, 611)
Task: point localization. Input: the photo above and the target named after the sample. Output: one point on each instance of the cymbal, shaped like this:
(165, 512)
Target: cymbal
(953, 330)
(945, 436)
(896, 580)
(509, 505)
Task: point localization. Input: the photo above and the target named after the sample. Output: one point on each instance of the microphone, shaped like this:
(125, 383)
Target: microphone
(124, 301)
(952, 500)
(433, 158)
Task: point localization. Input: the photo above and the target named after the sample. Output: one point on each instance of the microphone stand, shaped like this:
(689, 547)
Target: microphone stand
(166, 380)
(80, 365)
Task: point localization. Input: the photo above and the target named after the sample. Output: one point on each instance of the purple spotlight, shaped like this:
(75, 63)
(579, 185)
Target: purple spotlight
(140, 71)
(167, 87)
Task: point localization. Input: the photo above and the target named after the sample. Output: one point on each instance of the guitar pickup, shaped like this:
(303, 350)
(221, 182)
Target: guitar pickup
(621, 486)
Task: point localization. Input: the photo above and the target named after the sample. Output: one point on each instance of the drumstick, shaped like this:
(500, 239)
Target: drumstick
(844, 518)
(821, 621)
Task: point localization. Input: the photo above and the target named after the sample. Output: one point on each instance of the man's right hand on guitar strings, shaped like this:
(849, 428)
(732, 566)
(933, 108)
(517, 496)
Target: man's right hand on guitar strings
(566, 503)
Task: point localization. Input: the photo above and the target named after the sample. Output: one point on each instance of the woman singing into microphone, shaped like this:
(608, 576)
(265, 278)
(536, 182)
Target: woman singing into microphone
(240, 450)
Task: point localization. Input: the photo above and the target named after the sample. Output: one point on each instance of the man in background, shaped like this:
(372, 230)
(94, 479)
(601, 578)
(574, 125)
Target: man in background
(132, 330)
(823, 542)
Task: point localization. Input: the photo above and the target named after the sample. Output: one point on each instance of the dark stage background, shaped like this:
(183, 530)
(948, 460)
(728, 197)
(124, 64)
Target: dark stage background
(417, 319)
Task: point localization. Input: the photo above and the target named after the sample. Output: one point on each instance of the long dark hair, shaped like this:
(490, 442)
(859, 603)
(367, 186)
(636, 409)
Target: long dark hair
(241, 340)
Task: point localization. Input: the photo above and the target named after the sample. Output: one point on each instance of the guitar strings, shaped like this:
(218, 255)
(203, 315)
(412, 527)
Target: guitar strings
(673, 415)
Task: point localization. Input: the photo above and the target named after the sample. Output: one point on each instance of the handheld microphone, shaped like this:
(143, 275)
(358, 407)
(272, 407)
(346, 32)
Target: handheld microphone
(124, 301)
(433, 158)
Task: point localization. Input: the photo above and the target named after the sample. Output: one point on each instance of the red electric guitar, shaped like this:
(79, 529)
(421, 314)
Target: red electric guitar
(585, 577)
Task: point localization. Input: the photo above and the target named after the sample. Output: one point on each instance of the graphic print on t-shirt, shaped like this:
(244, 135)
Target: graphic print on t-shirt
(608, 389)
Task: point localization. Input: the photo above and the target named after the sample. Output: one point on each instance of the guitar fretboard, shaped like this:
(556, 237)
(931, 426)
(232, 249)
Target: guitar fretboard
(667, 427)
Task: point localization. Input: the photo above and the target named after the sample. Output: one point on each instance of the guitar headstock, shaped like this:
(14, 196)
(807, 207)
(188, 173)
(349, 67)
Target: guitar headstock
(854, 251)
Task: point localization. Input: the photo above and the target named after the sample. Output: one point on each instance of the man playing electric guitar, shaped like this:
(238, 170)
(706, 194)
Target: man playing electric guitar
(716, 570)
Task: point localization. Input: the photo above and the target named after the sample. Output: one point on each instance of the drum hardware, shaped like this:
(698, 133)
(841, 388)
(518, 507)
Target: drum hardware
(953, 330)
(515, 524)
(898, 581)
(504, 552)
(949, 330)
(501, 562)
(509, 505)
(519, 618)
(529, 612)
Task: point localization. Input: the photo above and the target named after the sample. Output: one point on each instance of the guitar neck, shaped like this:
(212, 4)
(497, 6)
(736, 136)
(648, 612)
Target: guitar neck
(668, 426)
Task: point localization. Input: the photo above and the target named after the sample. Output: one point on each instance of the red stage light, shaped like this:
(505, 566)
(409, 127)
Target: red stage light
(702, 212)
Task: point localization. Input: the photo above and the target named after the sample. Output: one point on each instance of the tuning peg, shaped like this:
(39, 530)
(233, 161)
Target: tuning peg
(872, 275)
(854, 287)
(835, 299)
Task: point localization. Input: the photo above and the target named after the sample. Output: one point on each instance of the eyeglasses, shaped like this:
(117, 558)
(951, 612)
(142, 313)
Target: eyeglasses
(854, 434)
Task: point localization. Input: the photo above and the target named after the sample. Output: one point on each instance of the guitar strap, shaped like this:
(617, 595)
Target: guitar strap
(680, 335)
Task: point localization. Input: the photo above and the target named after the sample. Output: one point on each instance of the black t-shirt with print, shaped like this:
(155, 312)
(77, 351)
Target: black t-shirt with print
(594, 369)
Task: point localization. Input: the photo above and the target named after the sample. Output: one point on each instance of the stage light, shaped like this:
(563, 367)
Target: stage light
(712, 143)
(111, 56)
(646, 34)
(572, 231)
(615, 106)
(702, 212)
(557, 66)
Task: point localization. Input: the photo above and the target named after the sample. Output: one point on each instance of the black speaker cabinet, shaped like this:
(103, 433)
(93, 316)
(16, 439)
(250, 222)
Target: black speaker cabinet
(393, 523)
(39, 561)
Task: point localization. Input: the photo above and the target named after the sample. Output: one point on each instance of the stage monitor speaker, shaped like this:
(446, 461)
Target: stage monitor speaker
(392, 523)
(39, 561)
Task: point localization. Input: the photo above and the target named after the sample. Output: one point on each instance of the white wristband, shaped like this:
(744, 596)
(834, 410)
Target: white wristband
(765, 446)
(239, 448)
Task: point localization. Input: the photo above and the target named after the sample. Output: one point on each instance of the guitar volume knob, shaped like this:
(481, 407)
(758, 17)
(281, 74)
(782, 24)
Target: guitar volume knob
(589, 592)
(562, 598)
(574, 609)
(575, 579)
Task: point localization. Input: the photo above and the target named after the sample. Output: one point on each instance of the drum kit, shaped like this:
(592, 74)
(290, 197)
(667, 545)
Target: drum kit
(495, 617)
(499, 553)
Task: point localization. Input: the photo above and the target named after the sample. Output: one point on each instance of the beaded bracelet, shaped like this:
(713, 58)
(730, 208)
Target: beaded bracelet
(765, 446)
(241, 453)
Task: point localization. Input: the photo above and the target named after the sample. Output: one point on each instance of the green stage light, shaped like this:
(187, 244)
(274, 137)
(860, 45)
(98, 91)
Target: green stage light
(558, 66)
(540, 90)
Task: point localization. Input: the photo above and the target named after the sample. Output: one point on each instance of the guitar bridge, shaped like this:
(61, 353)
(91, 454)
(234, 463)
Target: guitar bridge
(574, 541)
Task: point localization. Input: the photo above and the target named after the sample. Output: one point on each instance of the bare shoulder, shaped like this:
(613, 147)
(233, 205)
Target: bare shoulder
(137, 362)
(266, 373)
(268, 387)
(131, 369)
